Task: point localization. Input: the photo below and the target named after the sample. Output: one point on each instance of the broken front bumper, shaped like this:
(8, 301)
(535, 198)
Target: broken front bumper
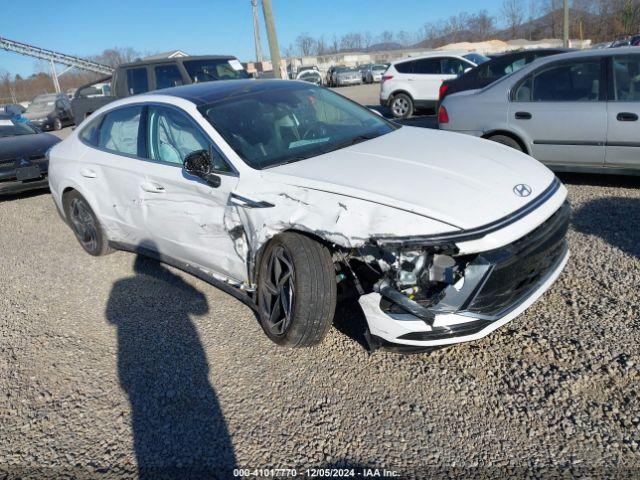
(498, 286)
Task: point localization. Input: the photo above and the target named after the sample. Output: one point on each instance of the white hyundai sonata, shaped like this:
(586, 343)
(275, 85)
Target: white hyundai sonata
(291, 197)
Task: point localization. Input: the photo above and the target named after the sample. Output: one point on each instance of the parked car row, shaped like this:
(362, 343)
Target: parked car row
(576, 111)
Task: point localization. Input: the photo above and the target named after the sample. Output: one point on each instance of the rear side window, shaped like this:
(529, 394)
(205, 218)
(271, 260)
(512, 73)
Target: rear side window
(137, 81)
(404, 67)
(567, 82)
(89, 134)
(207, 70)
(454, 66)
(119, 131)
(626, 79)
(167, 76)
(427, 66)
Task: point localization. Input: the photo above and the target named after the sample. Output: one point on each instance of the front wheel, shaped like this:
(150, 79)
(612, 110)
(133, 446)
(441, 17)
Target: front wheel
(57, 124)
(296, 290)
(401, 106)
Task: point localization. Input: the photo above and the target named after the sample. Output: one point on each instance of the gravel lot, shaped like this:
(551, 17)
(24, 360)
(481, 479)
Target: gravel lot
(109, 365)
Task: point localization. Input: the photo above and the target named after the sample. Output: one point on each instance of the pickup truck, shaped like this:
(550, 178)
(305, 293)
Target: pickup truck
(147, 75)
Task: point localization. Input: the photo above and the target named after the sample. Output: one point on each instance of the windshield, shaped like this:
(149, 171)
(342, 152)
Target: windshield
(207, 70)
(379, 68)
(42, 104)
(476, 58)
(10, 127)
(284, 124)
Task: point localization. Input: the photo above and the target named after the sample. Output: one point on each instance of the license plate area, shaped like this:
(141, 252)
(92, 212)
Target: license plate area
(28, 173)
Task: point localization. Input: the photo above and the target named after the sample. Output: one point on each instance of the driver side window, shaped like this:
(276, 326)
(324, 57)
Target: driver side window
(172, 135)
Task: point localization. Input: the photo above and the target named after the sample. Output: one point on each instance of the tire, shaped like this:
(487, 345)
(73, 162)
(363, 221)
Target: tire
(85, 224)
(508, 141)
(57, 124)
(296, 290)
(401, 106)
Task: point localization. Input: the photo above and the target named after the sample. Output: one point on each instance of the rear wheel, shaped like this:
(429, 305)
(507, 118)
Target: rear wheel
(401, 106)
(57, 124)
(85, 224)
(296, 290)
(505, 140)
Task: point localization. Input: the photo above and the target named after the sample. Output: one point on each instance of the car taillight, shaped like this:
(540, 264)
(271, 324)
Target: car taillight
(443, 116)
(386, 77)
(443, 88)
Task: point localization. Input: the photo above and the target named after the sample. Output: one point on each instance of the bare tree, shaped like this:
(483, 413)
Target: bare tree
(386, 37)
(481, 26)
(514, 14)
(307, 46)
(366, 40)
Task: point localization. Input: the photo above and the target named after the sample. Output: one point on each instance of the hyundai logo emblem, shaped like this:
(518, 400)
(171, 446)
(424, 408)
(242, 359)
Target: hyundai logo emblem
(522, 190)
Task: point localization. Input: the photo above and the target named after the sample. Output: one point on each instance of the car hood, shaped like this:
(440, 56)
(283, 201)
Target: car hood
(457, 179)
(21, 146)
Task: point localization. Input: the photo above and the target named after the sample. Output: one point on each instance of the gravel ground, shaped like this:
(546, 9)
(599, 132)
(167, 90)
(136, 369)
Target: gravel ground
(119, 367)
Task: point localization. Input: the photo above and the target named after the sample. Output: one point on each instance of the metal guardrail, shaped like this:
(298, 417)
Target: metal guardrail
(52, 56)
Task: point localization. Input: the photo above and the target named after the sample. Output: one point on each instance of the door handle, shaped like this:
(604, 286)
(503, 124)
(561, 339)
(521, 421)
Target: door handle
(627, 117)
(152, 187)
(523, 116)
(88, 173)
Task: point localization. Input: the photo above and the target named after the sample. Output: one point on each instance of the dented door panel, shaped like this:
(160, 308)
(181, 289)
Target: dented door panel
(193, 222)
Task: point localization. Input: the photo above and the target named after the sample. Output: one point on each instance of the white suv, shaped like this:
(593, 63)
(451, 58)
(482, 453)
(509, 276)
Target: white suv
(415, 82)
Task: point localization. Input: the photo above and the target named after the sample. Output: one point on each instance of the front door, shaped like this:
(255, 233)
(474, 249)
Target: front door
(623, 113)
(561, 111)
(187, 219)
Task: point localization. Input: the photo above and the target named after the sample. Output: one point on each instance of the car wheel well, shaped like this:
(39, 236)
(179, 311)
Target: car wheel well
(258, 256)
(67, 190)
(509, 134)
(397, 92)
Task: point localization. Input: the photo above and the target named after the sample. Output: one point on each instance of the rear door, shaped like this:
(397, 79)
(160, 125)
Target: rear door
(427, 78)
(560, 110)
(623, 112)
(113, 169)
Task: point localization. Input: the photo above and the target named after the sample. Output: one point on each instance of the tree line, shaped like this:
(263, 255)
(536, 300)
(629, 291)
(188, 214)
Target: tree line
(597, 20)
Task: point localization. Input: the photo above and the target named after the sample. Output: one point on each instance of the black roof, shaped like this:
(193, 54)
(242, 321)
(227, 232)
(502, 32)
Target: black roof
(209, 92)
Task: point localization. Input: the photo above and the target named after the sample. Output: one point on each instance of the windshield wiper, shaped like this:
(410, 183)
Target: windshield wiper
(349, 142)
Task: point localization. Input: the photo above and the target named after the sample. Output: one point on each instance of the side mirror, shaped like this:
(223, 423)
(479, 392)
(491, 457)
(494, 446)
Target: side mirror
(198, 163)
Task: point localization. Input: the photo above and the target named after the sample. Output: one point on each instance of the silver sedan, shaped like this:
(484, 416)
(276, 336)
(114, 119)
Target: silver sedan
(574, 112)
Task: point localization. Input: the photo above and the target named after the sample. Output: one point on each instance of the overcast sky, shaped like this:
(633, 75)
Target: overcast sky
(204, 26)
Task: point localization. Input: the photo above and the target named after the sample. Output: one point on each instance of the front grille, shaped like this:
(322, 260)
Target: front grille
(520, 267)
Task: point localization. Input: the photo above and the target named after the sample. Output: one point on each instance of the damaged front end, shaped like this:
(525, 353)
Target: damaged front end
(430, 294)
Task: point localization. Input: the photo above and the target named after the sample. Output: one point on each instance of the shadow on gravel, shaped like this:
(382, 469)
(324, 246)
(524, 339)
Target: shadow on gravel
(19, 196)
(614, 219)
(600, 180)
(349, 320)
(178, 427)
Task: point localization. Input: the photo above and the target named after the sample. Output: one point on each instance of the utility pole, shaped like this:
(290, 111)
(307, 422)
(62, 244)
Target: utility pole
(565, 33)
(256, 30)
(274, 49)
